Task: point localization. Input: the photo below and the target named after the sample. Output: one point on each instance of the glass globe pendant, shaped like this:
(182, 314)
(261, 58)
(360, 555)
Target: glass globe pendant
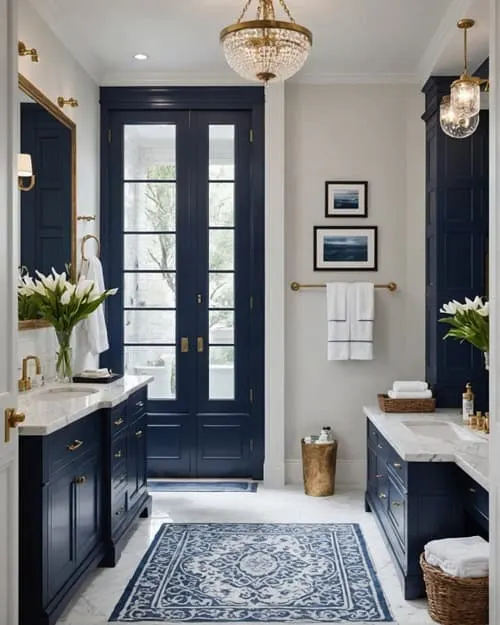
(266, 49)
(466, 91)
(454, 126)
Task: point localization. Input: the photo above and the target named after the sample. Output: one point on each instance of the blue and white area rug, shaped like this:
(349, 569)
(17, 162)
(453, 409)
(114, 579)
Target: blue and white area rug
(190, 486)
(266, 573)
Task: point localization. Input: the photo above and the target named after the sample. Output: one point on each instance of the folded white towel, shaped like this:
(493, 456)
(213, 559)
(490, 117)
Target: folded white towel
(409, 385)
(461, 557)
(410, 395)
(95, 373)
(406, 386)
(338, 325)
(361, 306)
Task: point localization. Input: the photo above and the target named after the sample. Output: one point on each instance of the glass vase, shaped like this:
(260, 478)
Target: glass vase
(64, 371)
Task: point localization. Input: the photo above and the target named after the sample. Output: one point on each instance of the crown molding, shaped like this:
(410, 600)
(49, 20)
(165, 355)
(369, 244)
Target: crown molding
(439, 42)
(313, 78)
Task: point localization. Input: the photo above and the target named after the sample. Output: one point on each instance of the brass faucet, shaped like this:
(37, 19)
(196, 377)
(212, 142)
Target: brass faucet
(24, 384)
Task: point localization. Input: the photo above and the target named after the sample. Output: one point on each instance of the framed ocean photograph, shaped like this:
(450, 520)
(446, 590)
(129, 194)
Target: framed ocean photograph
(346, 199)
(345, 248)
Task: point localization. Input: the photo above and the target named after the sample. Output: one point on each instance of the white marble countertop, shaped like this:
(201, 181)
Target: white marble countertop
(470, 455)
(44, 416)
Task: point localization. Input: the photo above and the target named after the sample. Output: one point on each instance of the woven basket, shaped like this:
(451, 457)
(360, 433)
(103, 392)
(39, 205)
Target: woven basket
(406, 405)
(455, 600)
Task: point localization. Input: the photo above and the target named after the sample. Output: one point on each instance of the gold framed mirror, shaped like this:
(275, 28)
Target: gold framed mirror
(64, 239)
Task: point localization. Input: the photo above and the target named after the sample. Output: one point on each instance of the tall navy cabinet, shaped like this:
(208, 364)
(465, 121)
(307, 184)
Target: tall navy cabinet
(456, 245)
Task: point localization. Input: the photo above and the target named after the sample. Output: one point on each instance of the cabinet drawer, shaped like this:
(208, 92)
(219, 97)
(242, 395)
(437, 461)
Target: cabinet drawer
(397, 510)
(118, 418)
(476, 498)
(119, 509)
(137, 403)
(73, 441)
(397, 467)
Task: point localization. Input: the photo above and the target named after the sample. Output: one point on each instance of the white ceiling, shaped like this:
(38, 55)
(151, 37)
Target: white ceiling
(354, 40)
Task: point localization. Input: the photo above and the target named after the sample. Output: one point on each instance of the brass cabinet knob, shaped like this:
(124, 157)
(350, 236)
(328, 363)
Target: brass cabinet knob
(382, 496)
(379, 475)
(80, 479)
(396, 504)
(118, 454)
(75, 445)
(118, 421)
(397, 465)
(12, 418)
(139, 404)
(139, 433)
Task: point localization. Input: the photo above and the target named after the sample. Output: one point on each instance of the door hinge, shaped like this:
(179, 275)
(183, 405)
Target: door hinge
(251, 302)
(250, 135)
(109, 135)
(251, 395)
(251, 445)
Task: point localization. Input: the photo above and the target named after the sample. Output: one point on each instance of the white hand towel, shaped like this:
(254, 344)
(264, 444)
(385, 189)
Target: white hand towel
(409, 385)
(94, 326)
(410, 394)
(361, 306)
(338, 324)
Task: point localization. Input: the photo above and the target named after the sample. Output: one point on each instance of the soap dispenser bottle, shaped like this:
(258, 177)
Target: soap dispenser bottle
(467, 403)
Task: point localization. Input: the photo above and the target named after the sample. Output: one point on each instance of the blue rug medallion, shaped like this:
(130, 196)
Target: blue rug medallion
(191, 486)
(266, 573)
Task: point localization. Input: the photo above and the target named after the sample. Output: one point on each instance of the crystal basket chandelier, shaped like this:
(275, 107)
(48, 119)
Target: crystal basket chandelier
(266, 49)
(459, 112)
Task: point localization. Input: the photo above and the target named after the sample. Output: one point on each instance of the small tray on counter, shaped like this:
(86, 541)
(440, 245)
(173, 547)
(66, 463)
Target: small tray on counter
(86, 380)
(386, 404)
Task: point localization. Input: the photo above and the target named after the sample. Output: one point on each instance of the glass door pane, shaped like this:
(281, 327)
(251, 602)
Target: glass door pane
(150, 255)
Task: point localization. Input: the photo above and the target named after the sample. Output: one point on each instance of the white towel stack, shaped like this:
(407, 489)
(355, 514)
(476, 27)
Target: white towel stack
(95, 373)
(410, 389)
(460, 557)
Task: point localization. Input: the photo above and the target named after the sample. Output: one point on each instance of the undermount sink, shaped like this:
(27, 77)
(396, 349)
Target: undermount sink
(445, 431)
(60, 393)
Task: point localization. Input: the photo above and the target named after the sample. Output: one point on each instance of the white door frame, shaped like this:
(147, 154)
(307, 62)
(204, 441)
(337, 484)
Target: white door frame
(9, 237)
(494, 291)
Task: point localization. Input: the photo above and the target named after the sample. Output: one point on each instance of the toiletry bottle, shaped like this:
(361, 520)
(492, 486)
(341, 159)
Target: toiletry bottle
(467, 403)
(324, 436)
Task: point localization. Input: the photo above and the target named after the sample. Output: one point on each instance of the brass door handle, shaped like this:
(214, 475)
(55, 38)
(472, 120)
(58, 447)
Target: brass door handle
(139, 433)
(184, 344)
(81, 479)
(12, 418)
(118, 421)
(75, 445)
(200, 345)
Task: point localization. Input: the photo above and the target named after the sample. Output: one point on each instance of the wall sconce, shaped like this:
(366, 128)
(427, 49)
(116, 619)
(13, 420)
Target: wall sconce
(31, 52)
(24, 170)
(69, 101)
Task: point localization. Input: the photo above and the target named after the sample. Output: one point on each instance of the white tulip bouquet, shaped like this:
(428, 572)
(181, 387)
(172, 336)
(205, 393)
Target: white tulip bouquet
(63, 304)
(469, 322)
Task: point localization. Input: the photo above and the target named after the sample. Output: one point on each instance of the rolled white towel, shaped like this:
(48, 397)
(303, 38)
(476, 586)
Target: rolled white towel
(409, 386)
(410, 394)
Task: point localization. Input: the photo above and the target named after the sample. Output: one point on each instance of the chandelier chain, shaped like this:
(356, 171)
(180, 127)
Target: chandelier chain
(287, 10)
(245, 9)
(466, 53)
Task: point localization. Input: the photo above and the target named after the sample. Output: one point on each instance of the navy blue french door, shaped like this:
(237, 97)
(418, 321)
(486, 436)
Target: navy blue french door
(185, 249)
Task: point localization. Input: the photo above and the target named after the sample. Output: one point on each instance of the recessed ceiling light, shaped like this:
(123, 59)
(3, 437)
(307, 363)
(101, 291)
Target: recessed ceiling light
(140, 57)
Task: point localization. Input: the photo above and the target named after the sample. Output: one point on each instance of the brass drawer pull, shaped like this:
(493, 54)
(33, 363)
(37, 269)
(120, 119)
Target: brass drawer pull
(184, 345)
(140, 404)
(200, 345)
(118, 421)
(396, 504)
(397, 465)
(382, 496)
(118, 454)
(379, 475)
(75, 445)
(81, 479)
(472, 490)
(139, 433)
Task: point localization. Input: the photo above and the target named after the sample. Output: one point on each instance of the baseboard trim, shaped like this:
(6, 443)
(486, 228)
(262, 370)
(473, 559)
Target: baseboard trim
(350, 473)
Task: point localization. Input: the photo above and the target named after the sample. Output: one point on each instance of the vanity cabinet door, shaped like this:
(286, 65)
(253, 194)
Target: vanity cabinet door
(137, 460)
(88, 485)
(60, 531)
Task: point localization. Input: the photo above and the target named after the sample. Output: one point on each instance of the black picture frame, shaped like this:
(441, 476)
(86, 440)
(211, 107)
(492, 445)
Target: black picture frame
(343, 191)
(370, 263)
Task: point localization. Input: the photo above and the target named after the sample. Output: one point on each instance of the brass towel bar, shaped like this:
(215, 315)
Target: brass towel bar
(296, 286)
(86, 238)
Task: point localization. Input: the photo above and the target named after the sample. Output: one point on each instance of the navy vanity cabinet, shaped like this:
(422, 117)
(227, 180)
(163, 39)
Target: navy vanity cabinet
(61, 533)
(413, 503)
(137, 460)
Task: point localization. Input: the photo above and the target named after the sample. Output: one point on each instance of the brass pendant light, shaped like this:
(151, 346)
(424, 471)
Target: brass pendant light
(266, 49)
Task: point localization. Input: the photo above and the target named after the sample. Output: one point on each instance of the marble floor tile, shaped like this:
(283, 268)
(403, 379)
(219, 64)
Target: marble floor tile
(289, 505)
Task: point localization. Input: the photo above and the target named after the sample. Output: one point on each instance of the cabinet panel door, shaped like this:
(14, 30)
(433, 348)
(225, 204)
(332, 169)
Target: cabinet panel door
(88, 505)
(137, 460)
(61, 548)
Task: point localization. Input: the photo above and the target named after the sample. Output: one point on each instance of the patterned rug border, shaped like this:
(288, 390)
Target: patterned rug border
(388, 617)
(160, 486)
